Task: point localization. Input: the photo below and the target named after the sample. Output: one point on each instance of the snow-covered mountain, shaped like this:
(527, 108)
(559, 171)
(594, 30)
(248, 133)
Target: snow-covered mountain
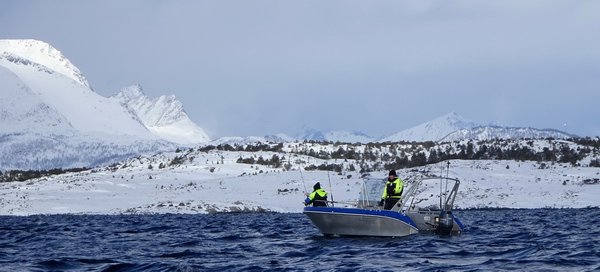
(432, 130)
(496, 132)
(453, 127)
(46, 104)
(85, 110)
(164, 116)
(43, 54)
(335, 136)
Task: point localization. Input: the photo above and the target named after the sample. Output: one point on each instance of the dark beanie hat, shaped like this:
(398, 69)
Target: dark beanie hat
(392, 173)
(317, 186)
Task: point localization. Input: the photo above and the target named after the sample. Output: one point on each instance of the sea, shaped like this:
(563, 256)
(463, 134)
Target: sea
(493, 240)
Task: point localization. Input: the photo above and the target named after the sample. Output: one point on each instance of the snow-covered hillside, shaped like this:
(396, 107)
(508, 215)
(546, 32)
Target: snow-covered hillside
(21, 110)
(164, 116)
(35, 151)
(46, 102)
(193, 181)
(496, 132)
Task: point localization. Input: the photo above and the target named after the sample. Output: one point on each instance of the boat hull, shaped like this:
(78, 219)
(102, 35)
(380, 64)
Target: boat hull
(360, 222)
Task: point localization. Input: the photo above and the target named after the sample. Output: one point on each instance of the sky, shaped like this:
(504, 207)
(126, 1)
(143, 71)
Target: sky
(246, 68)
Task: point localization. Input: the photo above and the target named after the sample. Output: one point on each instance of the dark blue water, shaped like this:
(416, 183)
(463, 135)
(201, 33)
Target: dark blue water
(538, 240)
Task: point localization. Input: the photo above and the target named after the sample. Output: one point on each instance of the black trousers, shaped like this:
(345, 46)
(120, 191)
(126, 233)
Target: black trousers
(390, 202)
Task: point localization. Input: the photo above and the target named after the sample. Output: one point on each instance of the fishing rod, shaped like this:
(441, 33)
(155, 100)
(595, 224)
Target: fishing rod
(300, 170)
(330, 189)
(302, 177)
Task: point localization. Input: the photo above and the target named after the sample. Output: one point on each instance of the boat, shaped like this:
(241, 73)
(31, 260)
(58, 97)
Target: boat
(366, 218)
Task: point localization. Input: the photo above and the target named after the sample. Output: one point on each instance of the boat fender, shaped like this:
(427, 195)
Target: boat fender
(446, 223)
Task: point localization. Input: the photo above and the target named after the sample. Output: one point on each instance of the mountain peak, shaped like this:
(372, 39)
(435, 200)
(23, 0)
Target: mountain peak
(451, 122)
(454, 119)
(311, 134)
(133, 91)
(453, 114)
(335, 136)
(44, 54)
(164, 116)
(433, 130)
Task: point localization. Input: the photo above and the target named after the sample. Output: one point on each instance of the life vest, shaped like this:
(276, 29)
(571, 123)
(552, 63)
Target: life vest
(318, 198)
(393, 189)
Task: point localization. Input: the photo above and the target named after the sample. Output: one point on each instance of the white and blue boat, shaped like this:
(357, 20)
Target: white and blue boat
(365, 218)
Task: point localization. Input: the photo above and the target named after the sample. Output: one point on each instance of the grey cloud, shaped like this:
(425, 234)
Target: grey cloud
(260, 67)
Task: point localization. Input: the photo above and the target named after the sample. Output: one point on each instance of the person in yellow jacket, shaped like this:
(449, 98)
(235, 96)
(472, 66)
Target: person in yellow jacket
(317, 198)
(392, 192)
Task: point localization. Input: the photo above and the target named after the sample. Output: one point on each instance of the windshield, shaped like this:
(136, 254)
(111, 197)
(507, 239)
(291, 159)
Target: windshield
(371, 191)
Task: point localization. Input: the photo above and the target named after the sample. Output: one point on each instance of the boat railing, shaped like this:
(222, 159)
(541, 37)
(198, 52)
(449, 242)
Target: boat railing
(370, 194)
(446, 196)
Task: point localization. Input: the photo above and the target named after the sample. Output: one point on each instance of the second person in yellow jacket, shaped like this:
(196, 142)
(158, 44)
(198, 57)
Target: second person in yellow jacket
(392, 193)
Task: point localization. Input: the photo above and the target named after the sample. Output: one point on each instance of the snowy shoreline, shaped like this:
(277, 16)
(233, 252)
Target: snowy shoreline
(202, 187)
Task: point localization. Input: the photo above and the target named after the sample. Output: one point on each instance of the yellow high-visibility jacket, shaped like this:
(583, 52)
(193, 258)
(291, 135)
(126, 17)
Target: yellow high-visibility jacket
(393, 189)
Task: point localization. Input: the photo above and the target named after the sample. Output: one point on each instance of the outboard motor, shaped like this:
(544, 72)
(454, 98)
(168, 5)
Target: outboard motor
(445, 223)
